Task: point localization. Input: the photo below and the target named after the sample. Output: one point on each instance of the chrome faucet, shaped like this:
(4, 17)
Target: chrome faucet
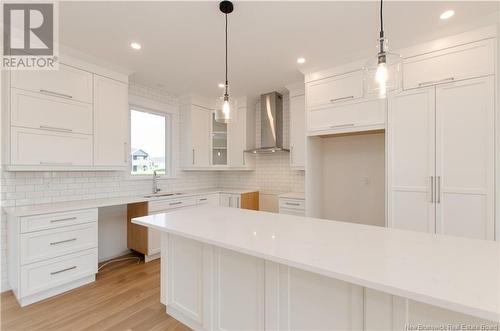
(156, 189)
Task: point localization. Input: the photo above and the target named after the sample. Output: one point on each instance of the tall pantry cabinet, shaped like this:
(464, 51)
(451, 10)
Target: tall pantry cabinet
(441, 146)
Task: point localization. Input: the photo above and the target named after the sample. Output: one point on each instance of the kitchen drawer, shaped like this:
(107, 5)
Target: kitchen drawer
(41, 276)
(451, 64)
(292, 204)
(40, 111)
(65, 83)
(349, 117)
(161, 205)
(334, 90)
(50, 148)
(42, 245)
(57, 220)
(209, 199)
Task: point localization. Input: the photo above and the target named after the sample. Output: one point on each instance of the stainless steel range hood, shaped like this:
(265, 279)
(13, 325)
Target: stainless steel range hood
(271, 124)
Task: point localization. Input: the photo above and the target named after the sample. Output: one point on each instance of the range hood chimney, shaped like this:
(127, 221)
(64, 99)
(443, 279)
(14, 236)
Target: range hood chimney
(271, 124)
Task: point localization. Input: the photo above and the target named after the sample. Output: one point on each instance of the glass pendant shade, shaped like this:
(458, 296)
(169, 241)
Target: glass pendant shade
(225, 109)
(383, 73)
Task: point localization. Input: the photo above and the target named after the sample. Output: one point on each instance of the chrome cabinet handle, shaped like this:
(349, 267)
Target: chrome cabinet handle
(175, 203)
(432, 82)
(57, 94)
(203, 199)
(54, 128)
(438, 189)
(342, 125)
(193, 156)
(62, 241)
(291, 154)
(342, 98)
(292, 204)
(243, 157)
(63, 219)
(56, 163)
(432, 188)
(63, 270)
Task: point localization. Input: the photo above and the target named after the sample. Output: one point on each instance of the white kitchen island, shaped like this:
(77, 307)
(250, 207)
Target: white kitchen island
(235, 269)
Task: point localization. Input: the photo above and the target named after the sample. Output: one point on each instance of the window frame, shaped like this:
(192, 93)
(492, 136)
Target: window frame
(168, 141)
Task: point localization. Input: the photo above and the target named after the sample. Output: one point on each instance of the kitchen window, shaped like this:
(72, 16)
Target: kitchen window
(149, 137)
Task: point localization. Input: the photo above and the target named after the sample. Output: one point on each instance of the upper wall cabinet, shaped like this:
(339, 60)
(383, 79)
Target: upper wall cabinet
(335, 89)
(241, 136)
(207, 145)
(297, 126)
(67, 82)
(451, 64)
(195, 136)
(336, 105)
(110, 123)
(65, 119)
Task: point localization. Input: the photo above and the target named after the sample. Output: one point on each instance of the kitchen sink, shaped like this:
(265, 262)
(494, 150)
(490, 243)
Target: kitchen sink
(157, 195)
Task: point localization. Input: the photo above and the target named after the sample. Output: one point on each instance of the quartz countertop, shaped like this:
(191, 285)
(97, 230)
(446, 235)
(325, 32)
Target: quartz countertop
(106, 202)
(450, 272)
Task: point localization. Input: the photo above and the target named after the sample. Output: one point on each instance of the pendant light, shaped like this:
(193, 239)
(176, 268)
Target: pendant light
(383, 73)
(225, 108)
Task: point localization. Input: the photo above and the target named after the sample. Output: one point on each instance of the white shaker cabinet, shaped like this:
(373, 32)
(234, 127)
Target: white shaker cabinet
(297, 132)
(465, 158)
(66, 82)
(110, 122)
(441, 159)
(451, 64)
(230, 200)
(195, 131)
(241, 136)
(335, 89)
(411, 159)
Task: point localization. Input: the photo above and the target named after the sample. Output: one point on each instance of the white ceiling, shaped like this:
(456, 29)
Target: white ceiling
(182, 42)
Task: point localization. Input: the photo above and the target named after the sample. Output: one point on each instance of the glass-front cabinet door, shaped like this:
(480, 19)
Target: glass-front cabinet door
(219, 142)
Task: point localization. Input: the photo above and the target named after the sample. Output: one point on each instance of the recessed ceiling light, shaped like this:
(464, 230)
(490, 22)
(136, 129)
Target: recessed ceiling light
(135, 45)
(447, 14)
(221, 85)
(301, 60)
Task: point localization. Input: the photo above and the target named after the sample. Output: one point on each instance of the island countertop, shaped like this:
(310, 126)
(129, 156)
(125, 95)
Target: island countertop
(450, 272)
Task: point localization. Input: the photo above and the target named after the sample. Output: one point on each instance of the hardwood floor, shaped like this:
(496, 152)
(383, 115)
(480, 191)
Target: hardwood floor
(125, 296)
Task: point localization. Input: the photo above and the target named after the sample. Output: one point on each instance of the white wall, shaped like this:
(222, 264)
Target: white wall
(112, 232)
(354, 178)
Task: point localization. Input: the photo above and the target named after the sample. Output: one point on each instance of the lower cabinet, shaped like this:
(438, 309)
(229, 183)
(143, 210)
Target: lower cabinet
(249, 200)
(145, 240)
(51, 253)
(211, 288)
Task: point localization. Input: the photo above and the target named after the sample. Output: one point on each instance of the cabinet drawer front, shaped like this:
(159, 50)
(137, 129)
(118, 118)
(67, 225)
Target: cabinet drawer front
(50, 148)
(348, 117)
(55, 272)
(158, 206)
(456, 63)
(42, 245)
(290, 211)
(40, 111)
(210, 199)
(66, 82)
(292, 204)
(335, 90)
(57, 220)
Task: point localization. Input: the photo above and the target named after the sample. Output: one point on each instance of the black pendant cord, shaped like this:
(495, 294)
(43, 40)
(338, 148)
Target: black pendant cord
(381, 26)
(226, 59)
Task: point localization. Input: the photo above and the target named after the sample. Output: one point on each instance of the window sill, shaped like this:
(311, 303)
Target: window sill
(148, 177)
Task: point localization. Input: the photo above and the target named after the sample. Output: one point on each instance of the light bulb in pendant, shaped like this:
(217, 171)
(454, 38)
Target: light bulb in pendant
(381, 77)
(226, 108)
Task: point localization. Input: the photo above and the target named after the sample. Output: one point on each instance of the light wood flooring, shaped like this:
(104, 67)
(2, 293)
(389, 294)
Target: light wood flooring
(125, 296)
